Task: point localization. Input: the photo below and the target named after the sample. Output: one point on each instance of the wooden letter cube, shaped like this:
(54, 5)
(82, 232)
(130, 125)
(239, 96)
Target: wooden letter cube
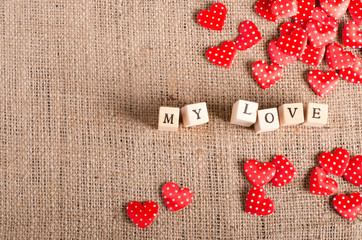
(315, 114)
(168, 119)
(194, 114)
(291, 114)
(244, 113)
(267, 120)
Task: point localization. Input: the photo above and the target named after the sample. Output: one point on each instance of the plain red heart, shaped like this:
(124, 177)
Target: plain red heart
(337, 58)
(257, 204)
(215, 18)
(322, 83)
(176, 198)
(336, 162)
(265, 75)
(305, 8)
(278, 57)
(249, 35)
(335, 8)
(284, 8)
(222, 56)
(353, 74)
(142, 215)
(319, 34)
(355, 9)
(263, 8)
(312, 56)
(285, 171)
(352, 37)
(295, 43)
(319, 15)
(320, 184)
(353, 173)
(348, 207)
(259, 174)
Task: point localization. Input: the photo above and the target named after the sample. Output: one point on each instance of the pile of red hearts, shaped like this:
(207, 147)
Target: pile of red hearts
(280, 172)
(339, 164)
(175, 199)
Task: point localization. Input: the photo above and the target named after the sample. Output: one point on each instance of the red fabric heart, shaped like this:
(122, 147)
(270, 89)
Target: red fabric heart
(355, 9)
(278, 57)
(353, 173)
(176, 198)
(312, 56)
(322, 83)
(336, 162)
(259, 174)
(348, 207)
(295, 43)
(337, 58)
(249, 35)
(305, 8)
(353, 74)
(335, 8)
(257, 204)
(284, 8)
(320, 184)
(288, 27)
(352, 37)
(222, 56)
(285, 171)
(266, 76)
(142, 215)
(319, 15)
(263, 8)
(215, 18)
(320, 35)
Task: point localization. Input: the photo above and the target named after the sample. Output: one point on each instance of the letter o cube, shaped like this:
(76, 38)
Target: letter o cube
(267, 120)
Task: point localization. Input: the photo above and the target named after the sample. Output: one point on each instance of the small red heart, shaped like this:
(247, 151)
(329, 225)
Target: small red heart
(176, 198)
(353, 74)
(319, 34)
(266, 76)
(278, 57)
(336, 162)
(337, 58)
(305, 8)
(319, 15)
(249, 35)
(263, 8)
(295, 43)
(257, 204)
(222, 56)
(348, 207)
(288, 27)
(335, 8)
(320, 184)
(353, 173)
(312, 56)
(284, 8)
(322, 83)
(355, 9)
(142, 215)
(352, 37)
(259, 174)
(285, 171)
(215, 18)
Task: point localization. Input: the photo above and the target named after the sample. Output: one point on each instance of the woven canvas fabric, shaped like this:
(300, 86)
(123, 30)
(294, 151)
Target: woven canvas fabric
(81, 85)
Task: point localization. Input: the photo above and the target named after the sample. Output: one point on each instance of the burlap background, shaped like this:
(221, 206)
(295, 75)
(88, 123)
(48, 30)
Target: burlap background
(81, 84)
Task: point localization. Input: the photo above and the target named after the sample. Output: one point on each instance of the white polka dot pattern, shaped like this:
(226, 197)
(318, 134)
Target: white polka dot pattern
(257, 204)
(355, 9)
(249, 35)
(295, 43)
(215, 18)
(312, 56)
(337, 58)
(305, 8)
(279, 57)
(176, 198)
(320, 184)
(348, 207)
(259, 174)
(353, 74)
(322, 83)
(263, 8)
(335, 8)
(142, 215)
(336, 162)
(353, 173)
(265, 75)
(319, 15)
(352, 37)
(222, 56)
(319, 34)
(284, 8)
(288, 27)
(285, 171)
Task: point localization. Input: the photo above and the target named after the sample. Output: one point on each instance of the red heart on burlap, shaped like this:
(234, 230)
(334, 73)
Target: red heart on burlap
(335, 8)
(353, 173)
(263, 8)
(249, 35)
(337, 58)
(267, 75)
(312, 56)
(279, 57)
(336, 162)
(257, 204)
(284, 8)
(352, 37)
(322, 83)
(222, 56)
(319, 34)
(320, 15)
(320, 184)
(142, 215)
(348, 207)
(295, 43)
(176, 198)
(305, 8)
(355, 9)
(215, 18)
(259, 174)
(285, 171)
(353, 74)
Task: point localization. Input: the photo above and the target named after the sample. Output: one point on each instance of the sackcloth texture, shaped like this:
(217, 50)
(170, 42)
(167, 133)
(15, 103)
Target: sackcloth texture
(81, 85)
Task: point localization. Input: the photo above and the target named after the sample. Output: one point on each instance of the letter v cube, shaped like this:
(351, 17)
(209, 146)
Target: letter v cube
(194, 114)
(244, 113)
(291, 114)
(168, 119)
